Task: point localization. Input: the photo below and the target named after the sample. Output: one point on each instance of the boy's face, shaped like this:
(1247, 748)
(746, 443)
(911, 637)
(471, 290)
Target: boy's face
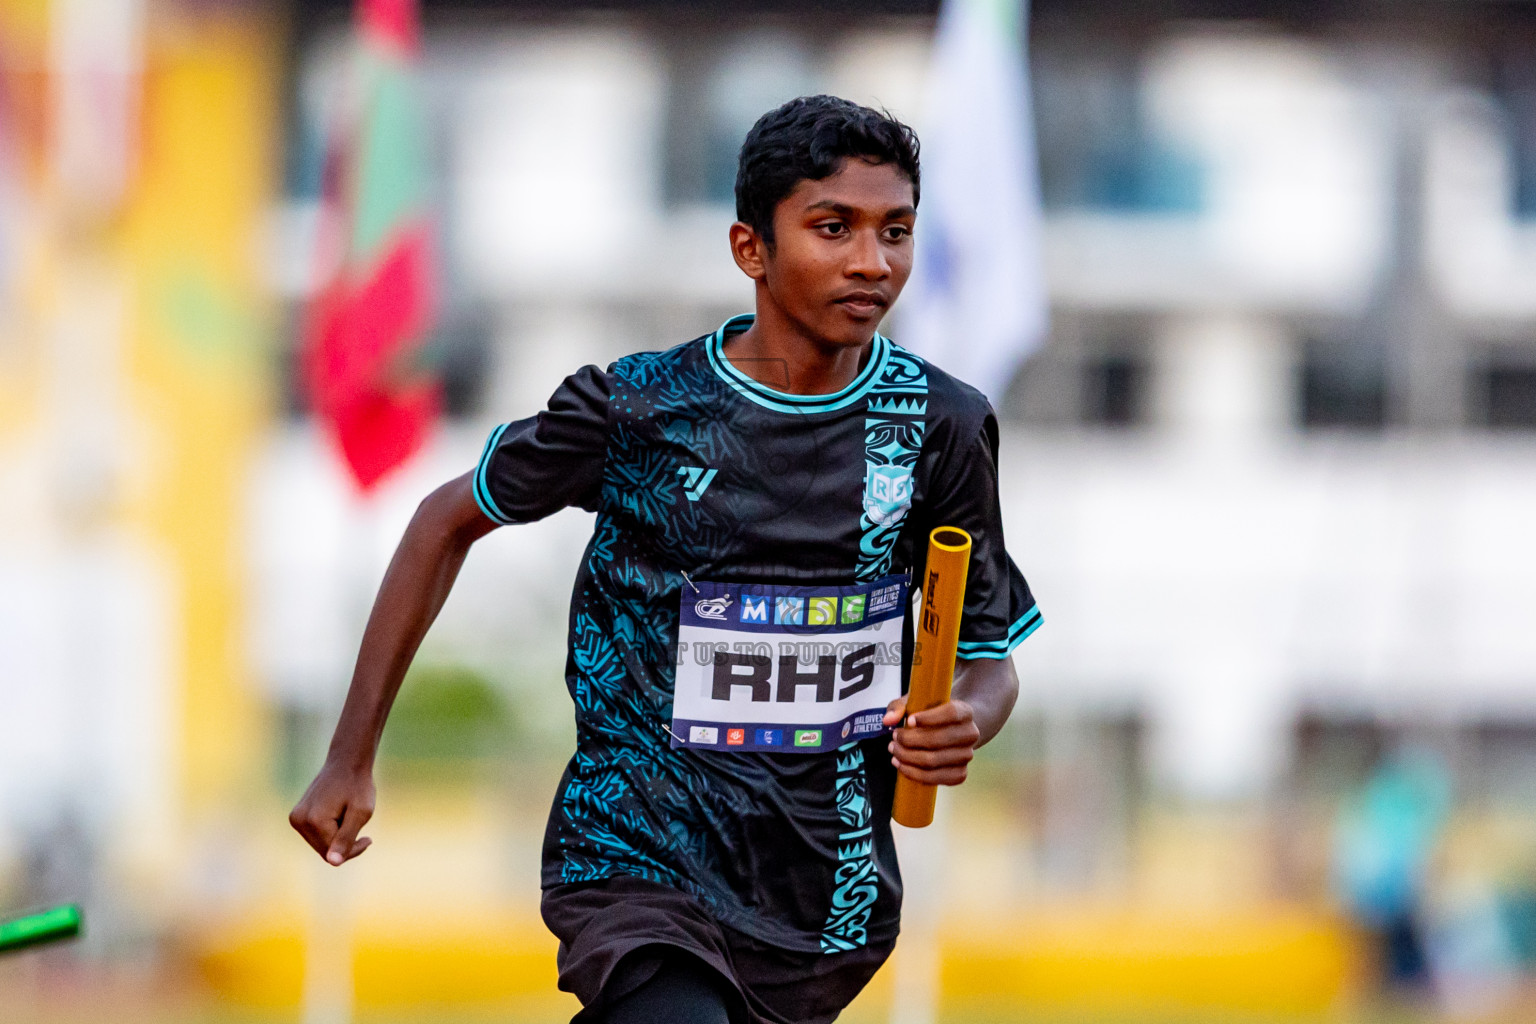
(842, 251)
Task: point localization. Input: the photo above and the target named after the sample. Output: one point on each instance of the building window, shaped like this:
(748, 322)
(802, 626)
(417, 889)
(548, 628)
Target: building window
(720, 87)
(1515, 91)
(1342, 385)
(1114, 390)
(1080, 775)
(461, 351)
(1503, 396)
(1099, 149)
(1505, 764)
(1334, 753)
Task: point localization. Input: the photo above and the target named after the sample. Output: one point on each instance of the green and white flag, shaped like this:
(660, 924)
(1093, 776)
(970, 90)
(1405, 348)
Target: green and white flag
(364, 350)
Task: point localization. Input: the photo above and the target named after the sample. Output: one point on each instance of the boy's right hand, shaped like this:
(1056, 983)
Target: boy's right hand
(333, 810)
(340, 800)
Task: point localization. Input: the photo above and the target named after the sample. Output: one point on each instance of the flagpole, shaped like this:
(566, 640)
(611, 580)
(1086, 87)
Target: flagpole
(330, 953)
(328, 981)
(917, 986)
(976, 306)
(364, 370)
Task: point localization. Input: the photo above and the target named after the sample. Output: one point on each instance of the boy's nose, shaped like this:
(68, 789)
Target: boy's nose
(868, 258)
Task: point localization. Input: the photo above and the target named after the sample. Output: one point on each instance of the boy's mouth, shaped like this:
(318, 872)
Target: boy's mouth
(862, 303)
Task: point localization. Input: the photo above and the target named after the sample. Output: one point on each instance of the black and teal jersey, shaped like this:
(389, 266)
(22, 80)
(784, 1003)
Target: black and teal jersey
(698, 472)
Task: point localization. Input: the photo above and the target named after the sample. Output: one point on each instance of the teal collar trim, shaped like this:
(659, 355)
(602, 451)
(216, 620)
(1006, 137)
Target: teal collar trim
(782, 401)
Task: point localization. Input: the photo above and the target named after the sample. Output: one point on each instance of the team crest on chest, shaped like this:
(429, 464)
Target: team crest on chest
(887, 492)
(894, 419)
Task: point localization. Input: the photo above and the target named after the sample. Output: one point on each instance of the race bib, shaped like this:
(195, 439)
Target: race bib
(786, 668)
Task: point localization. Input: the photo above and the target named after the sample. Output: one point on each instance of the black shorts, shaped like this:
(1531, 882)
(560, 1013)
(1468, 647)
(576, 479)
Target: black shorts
(615, 934)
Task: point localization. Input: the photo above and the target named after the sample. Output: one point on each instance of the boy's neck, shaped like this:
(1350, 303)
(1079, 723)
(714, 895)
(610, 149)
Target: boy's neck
(778, 353)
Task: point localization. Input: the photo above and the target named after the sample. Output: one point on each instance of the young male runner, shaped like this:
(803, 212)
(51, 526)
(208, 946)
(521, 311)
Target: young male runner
(720, 845)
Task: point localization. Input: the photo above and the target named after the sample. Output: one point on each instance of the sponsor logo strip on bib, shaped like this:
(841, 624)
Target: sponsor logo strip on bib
(790, 669)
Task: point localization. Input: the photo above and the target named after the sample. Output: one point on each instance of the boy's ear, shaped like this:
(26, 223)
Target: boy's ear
(749, 250)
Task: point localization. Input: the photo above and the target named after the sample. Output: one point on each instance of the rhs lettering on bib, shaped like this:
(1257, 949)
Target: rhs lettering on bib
(789, 669)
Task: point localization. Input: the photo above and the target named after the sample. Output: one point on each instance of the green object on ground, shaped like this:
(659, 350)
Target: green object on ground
(49, 926)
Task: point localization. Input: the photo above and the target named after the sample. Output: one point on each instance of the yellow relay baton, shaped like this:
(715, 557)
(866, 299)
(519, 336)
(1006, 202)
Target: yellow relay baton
(933, 661)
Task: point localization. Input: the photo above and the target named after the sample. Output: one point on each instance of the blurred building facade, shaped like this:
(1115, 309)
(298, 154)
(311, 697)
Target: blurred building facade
(1269, 466)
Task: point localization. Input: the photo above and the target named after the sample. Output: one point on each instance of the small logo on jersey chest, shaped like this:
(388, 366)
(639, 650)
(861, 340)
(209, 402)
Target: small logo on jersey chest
(887, 493)
(695, 481)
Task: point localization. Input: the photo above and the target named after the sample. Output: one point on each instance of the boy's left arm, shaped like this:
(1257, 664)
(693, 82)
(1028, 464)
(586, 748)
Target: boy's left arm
(936, 745)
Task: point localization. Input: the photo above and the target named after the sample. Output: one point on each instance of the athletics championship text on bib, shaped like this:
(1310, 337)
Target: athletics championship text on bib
(786, 668)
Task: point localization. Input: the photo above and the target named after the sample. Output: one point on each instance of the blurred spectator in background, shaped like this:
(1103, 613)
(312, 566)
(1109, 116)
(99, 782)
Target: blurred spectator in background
(1385, 840)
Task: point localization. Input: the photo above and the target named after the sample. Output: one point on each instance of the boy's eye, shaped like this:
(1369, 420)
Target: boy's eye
(897, 232)
(834, 227)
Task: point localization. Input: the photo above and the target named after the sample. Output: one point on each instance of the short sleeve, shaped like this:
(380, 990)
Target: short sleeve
(1000, 612)
(534, 467)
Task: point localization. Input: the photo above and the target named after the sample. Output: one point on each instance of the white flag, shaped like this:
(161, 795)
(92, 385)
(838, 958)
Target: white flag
(976, 302)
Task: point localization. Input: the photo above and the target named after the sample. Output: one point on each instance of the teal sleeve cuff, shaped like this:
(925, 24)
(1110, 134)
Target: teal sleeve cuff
(482, 490)
(1022, 627)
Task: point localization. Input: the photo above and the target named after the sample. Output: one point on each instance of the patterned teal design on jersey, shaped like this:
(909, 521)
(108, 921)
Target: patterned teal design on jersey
(901, 406)
(893, 438)
(622, 747)
(630, 804)
(856, 885)
(642, 479)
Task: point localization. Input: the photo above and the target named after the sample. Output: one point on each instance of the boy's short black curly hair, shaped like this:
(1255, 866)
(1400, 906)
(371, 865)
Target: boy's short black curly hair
(807, 138)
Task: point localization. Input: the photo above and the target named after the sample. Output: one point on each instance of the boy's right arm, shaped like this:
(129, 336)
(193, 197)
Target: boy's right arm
(340, 800)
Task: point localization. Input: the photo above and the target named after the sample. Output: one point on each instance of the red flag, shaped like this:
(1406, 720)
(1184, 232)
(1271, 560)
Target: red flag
(367, 328)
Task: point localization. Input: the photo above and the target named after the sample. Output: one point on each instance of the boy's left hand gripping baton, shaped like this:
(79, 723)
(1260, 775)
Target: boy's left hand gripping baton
(933, 666)
(49, 926)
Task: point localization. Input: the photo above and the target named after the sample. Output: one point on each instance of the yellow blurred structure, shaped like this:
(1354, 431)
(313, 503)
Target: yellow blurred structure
(193, 235)
(400, 963)
(1272, 961)
(443, 923)
(136, 386)
(1269, 961)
